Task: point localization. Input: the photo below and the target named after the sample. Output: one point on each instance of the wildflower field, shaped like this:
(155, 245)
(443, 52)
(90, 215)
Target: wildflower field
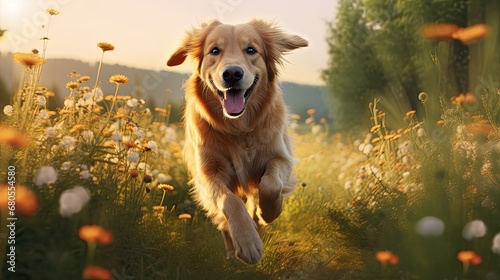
(97, 189)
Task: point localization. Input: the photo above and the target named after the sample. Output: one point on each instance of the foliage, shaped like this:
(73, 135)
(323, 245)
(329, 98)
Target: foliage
(353, 74)
(388, 59)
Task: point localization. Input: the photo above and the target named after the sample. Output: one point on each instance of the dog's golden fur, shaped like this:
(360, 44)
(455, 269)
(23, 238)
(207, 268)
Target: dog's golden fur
(237, 148)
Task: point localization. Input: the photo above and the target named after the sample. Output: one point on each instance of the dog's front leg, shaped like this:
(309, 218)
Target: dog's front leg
(230, 215)
(242, 230)
(276, 181)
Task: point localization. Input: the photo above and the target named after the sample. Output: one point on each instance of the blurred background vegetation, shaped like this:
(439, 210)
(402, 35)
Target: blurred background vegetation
(376, 51)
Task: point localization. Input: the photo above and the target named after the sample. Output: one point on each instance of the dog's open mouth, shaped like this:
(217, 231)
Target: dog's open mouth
(234, 99)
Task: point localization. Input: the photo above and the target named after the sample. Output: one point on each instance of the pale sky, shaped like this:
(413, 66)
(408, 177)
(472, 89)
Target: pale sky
(146, 32)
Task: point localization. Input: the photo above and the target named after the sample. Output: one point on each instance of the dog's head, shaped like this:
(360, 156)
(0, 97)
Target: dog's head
(234, 61)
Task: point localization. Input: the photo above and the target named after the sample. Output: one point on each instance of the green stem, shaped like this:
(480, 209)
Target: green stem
(91, 246)
(99, 70)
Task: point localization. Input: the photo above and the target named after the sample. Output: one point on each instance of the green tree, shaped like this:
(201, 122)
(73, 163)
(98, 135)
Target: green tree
(353, 75)
(376, 51)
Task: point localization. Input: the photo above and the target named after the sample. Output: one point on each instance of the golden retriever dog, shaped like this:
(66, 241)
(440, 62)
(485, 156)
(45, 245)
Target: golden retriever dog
(236, 145)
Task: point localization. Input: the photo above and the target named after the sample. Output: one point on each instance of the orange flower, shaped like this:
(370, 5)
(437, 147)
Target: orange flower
(439, 31)
(105, 238)
(469, 257)
(118, 79)
(129, 144)
(481, 128)
(26, 201)
(386, 257)
(470, 98)
(184, 216)
(311, 111)
(96, 234)
(375, 128)
(471, 33)
(13, 137)
(28, 59)
(105, 46)
(166, 187)
(96, 273)
(394, 259)
(410, 113)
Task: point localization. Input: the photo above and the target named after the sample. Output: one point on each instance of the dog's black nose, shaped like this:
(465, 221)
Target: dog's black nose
(232, 74)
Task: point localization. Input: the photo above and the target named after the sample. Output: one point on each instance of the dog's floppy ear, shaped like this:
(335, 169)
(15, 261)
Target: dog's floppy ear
(271, 34)
(192, 44)
(276, 43)
(178, 57)
(291, 42)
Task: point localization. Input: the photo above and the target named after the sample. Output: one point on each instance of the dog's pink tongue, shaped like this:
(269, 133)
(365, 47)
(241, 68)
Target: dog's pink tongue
(234, 101)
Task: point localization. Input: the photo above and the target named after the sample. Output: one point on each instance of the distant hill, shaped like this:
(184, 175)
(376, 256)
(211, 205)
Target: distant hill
(147, 84)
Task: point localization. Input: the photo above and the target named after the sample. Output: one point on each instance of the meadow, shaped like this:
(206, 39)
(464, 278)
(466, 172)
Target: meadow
(101, 191)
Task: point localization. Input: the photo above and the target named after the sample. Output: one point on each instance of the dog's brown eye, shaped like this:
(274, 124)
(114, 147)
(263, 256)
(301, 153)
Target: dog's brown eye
(215, 51)
(251, 50)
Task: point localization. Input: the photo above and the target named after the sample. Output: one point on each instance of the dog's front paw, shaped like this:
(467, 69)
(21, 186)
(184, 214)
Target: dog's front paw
(247, 244)
(270, 200)
(250, 251)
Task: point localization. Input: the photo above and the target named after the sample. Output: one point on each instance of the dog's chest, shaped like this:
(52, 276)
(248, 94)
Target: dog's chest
(247, 161)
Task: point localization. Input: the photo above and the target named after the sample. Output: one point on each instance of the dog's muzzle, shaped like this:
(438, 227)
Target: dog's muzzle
(234, 97)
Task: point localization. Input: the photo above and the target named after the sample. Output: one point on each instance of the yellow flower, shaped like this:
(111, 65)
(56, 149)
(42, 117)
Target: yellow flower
(118, 79)
(311, 111)
(389, 136)
(83, 79)
(295, 117)
(166, 187)
(78, 128)
(160, 110)
(74, 74)
(184, 216)
(375, 128)
(52, 12)
(105, 46)
(410, 113)
(28, 59)
(72, 85)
